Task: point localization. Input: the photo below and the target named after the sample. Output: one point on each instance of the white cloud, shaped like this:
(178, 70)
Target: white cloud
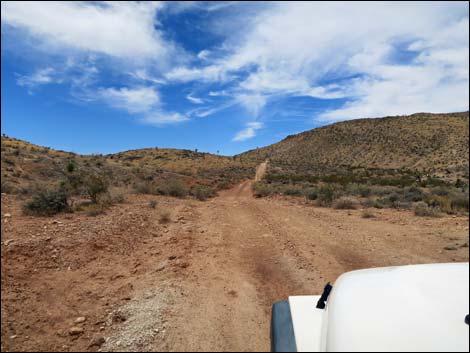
(143, 75)
(312, 49)
(134, 100)
(118, 29)
(160, 117)
(204, 54)
(40, 77)
(211, 73)
(248, 132)
(253, 103)
(194, 100)
(292, 48)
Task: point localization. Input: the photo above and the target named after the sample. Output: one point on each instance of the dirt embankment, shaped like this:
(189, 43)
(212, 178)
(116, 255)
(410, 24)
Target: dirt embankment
(204, 281)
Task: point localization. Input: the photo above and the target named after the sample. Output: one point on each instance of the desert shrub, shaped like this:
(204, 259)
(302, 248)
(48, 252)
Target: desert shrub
(383, 190)
(460, 202)
(165, 216)
(327, 194)
(111, 198)
(423, 210)
(402, 205)
(203, 192)
(71, 166)
(311, 194)
(47, 202)
(292, 191)
(223, 185)
(262, 190)
(413, 194)
(364, 191)
(440, 191)
(7, 187)
(358, 189)
(175, 188)
(95, 185)
(444, 203)
(152, 203)
(345, 203)
(144, 188)
(367, 214)
(368, 202)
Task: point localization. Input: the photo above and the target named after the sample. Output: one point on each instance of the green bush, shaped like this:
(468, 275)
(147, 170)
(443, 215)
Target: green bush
(95, 185)
(311, 194)
(175, 188)
(261, 190)
(413, 194)
(203, 192)
(47, 203)
(144, 188)
(292, 191)
(327, 194)
(152, 203)
(460, 202)
(223, 185)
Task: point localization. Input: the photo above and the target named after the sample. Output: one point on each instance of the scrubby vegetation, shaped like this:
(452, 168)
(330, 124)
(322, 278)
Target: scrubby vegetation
(47, 202)
(174, 187)
(423, 210)
(446, 198)
(203, 192)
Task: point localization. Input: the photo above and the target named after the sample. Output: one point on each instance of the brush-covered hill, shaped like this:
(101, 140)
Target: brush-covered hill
(24, 164)
(435, 144)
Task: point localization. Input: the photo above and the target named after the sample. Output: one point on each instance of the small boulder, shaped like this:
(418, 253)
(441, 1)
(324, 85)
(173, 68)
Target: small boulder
(75, 331)
(80, 319)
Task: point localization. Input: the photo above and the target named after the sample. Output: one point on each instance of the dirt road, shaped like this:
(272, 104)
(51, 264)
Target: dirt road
(207, 280)
(254, 252)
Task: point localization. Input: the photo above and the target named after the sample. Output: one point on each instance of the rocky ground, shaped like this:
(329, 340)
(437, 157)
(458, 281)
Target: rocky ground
(204, 280)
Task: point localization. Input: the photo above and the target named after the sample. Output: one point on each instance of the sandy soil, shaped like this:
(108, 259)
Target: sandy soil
(204, 281)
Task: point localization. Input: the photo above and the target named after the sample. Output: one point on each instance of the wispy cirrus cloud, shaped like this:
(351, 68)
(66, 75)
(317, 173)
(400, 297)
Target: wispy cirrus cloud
(40, 77)
(194, 100)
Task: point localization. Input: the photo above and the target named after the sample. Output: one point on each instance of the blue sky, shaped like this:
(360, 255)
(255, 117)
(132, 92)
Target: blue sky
(94, 77)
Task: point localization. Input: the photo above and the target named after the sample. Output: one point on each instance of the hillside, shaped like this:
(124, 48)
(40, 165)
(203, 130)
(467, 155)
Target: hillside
(25, 164)
(428, 143)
